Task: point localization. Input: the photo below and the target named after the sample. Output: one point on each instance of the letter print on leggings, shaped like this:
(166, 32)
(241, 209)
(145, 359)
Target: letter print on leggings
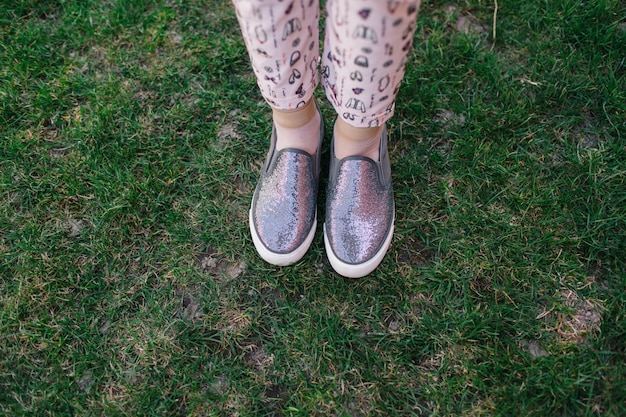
(282, 38)
(365, 52)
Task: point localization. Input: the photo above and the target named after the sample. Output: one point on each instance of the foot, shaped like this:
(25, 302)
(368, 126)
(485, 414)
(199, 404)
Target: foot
(359, 212)
(283, 214)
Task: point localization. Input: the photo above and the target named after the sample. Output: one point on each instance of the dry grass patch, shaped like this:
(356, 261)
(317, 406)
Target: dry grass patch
(583, 319)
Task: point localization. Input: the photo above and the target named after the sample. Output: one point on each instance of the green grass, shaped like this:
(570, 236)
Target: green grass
(132, 136)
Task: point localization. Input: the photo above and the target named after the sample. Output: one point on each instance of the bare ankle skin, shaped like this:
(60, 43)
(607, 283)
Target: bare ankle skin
(351, 140)
(295, 118)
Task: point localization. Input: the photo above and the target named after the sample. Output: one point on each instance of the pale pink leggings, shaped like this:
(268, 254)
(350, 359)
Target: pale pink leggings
(365, 53)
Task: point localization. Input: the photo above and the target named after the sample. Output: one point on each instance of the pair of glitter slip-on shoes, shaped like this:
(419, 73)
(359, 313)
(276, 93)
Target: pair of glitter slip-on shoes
(359, 208)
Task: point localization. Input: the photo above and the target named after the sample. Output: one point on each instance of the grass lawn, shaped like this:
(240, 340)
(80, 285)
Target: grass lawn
(131, 137)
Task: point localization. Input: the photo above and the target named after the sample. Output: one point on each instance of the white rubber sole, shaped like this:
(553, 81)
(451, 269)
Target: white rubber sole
(362, 269)
(281, 259)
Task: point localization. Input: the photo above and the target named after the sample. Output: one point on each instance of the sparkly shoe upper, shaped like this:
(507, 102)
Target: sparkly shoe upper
(284, 203)
(359, 206)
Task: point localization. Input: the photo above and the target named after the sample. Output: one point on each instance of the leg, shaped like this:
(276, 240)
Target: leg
(367, 44)
(282, 41)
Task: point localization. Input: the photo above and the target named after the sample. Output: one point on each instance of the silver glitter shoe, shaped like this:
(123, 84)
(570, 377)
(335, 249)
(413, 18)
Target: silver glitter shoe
(359, 212)
(283, 214)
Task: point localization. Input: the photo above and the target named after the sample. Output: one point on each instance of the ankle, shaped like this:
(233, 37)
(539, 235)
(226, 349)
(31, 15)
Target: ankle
(295, 118)
(356, 141)
(299, 128)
